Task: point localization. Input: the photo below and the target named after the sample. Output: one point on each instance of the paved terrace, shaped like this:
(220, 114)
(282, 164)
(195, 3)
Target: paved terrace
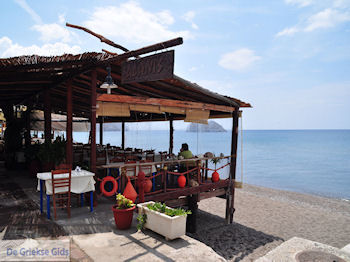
(95, 237)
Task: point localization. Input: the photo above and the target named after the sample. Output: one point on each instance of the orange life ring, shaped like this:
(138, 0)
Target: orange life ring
(114, 189)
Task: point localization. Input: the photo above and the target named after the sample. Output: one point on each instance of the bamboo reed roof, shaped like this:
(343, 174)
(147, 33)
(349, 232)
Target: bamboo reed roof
(24, 79)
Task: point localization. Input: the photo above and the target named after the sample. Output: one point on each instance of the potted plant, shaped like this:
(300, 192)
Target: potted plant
(31, 154)
(163, 220)
(52, 154)
(123, 212)
(215, 177)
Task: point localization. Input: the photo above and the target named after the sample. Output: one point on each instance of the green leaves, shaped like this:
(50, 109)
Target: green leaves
(123, 202)
(142, 219)
(162, 208)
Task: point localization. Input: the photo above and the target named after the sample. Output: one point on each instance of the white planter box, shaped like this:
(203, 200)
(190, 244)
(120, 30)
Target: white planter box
(170, 227)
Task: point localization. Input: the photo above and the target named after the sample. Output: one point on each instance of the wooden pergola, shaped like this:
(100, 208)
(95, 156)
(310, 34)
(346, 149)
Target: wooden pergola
(69, 85)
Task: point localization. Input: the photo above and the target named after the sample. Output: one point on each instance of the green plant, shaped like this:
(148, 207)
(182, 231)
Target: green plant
(162, 208)
(142, 219)
(31, 152)
(53, 152)
(215, 160)
(123, 202)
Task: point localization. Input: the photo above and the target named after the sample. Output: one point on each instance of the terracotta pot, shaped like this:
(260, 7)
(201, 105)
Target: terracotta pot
(47, 167)
(181, 181)
(34, 167)
(215, 177)
(123, 217)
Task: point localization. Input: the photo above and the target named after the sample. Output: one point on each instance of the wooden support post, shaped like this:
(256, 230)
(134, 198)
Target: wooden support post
(191, 226)
(141, 185)
(171, 136)
(27, 136)
(234, 139)
(123, 135)
(101, 130)
(47, 115)
(93, 122)
(69, 126)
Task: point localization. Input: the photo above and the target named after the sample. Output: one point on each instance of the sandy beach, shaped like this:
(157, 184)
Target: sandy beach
(264, 218)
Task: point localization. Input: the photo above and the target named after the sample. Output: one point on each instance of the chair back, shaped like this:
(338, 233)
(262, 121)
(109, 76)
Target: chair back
(131, 158)
(147, 169)
(61, 185)
(60, 182)
(130, 170)
(150, 156)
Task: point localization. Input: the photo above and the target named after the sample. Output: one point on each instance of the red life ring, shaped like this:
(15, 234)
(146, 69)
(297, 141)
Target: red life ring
(114, 189)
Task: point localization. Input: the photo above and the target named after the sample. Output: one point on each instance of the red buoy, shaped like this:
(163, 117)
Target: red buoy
(181, 181)
(103, 183)
(129, 191)
(215, 177)
(148, 185)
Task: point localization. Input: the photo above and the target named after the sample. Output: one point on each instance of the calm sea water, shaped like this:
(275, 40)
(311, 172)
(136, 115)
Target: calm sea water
(307, 161)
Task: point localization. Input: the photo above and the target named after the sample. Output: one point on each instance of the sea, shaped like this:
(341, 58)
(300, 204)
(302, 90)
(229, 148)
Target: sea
(307, 161)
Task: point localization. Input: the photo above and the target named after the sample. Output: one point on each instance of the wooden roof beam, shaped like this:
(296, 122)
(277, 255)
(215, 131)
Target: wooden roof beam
(163, 102)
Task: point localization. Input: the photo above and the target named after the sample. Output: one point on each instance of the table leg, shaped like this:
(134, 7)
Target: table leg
(48, 206)
(82, 199)
(41, 196)
(91, 201)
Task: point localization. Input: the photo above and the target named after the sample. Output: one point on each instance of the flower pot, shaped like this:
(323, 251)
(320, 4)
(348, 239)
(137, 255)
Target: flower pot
(47, 167)
(181, 181)
(169, 227)
(215, 177)
(34, 167)
(123, 217)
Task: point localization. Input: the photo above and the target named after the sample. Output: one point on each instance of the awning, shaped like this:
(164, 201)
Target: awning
(58, 122)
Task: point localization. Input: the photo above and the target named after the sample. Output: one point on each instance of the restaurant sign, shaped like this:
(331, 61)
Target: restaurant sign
(150, 68)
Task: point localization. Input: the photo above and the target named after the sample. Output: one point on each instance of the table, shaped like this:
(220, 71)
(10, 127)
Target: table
(81, 182)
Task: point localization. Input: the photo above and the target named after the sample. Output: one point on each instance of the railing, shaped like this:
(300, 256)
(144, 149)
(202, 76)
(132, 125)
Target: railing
(163, 179)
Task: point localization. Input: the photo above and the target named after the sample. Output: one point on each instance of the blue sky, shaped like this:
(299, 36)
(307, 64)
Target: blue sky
(290, 58)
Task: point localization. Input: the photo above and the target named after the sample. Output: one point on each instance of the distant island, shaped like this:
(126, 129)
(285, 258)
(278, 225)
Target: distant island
(212, 126)
(112, 127)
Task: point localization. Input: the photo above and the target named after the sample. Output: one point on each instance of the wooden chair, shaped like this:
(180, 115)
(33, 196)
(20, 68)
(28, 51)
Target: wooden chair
(61, 190)
(131, 158)
(150, 156)
(147, 169)
(163, 155)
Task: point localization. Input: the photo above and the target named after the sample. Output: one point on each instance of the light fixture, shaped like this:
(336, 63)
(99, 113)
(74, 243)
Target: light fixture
(108, 84)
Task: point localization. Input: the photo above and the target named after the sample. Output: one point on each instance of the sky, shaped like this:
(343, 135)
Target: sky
(289, 58)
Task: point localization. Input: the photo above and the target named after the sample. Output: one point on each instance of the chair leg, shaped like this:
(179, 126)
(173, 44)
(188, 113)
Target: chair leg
(68, 208)
(54, 206)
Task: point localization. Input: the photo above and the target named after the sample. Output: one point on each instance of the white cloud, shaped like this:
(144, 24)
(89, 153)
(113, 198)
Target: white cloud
(341, 3)
(130, 22)
(188, 17)
(325, 19)
(238, 60)
(29, 10)
(10, 49)
(287, 31)
(52, 32)
(300, 3)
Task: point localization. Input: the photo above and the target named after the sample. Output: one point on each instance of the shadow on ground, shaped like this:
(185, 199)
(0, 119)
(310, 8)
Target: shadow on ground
(233, 242)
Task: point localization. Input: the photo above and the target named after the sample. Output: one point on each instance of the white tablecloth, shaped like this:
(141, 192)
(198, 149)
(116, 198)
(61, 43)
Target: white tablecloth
(82, 181)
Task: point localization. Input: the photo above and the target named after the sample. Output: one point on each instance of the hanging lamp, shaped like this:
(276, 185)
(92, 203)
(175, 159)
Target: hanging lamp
(108, 83)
